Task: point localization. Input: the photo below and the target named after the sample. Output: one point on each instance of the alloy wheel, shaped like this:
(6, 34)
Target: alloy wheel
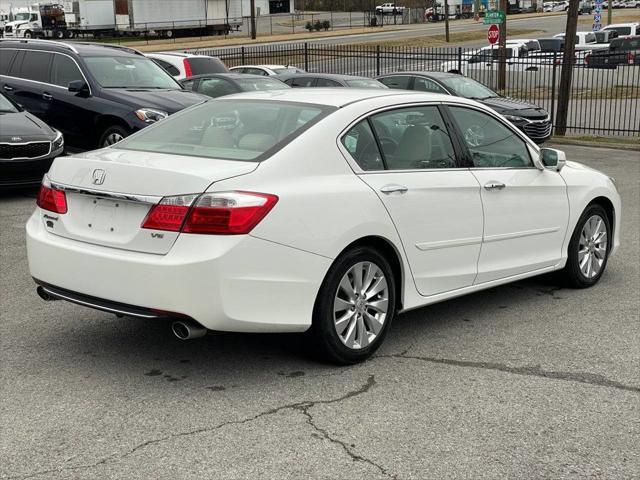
(360, 305)
(112, 138)
(592, 246)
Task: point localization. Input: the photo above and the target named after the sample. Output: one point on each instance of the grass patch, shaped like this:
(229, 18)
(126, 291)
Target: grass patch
(439, 40)
(619, 16)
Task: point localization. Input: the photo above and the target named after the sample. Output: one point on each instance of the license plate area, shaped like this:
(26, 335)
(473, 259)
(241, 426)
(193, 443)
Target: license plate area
(105, 214)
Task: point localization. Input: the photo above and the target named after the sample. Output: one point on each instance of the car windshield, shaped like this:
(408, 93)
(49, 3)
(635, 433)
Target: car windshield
(365, 83)
(6, 106)
(245, 130)
(253, 84)
(468, 88)
(129, 72)
(21, 16)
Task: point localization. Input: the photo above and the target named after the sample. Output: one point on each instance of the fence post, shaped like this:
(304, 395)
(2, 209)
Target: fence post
(306, 57)
(553, 90)
(377, 59)
(460, 59)
(242, 54)
(293, 23)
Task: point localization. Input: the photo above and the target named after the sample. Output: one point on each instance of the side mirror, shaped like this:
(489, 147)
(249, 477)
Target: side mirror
(78, 86)
(552, 158)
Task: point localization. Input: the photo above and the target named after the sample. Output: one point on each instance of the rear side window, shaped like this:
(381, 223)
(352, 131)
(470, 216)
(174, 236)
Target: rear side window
(425, 85)
(414, 138)
(245, 130)
(6, 57)
(64, 71)
(301, 82)
(202, 65)
(325, 82)
(171, 70)
(36, 66)
(397, 81)
(361, 145)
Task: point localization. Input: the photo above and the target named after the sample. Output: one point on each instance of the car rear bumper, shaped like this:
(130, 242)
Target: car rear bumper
(226, 283)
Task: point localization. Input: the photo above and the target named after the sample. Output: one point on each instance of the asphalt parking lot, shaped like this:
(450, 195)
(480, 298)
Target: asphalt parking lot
(521, 381)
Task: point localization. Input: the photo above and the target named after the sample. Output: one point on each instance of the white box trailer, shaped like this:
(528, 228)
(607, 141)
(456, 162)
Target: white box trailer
(89, 14)
(169, 17)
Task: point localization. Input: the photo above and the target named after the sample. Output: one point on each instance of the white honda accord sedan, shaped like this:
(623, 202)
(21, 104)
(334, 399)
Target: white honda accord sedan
(328, 210)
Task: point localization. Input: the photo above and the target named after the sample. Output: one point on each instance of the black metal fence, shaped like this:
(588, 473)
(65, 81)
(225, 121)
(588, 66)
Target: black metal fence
(603, 101)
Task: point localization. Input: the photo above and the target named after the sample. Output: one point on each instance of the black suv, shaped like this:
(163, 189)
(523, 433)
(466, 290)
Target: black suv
(94, 94)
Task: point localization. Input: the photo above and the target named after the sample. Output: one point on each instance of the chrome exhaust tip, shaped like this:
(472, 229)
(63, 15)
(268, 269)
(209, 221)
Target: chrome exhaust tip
(43, 294)
(187, 329)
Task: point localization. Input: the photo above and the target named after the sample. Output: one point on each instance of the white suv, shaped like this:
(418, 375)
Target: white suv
(184, 65)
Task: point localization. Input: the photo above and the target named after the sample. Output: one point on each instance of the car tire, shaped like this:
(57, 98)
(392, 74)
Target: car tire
(350, 312)
(112, 135)
(28, 34)
(589, 248)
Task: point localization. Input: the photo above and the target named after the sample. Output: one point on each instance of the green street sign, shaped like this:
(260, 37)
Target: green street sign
(493, 17)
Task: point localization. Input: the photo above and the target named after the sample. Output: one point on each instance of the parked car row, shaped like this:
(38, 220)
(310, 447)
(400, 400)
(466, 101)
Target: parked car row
(96, 95)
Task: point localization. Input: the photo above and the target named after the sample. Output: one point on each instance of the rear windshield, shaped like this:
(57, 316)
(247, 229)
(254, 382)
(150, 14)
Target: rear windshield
(365, 83)
(202, 65)
(246, 130)
(260, 83)
(632, 43)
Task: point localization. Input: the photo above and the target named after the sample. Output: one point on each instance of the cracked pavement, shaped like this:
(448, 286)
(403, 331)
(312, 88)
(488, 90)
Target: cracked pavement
(521, 381)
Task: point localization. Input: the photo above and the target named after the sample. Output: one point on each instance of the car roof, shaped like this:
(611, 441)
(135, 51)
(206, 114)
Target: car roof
(230, 75)
(80, 48)
(423, 74)
(333, 97)
(634, 24)
(264, 66)
(330, 76)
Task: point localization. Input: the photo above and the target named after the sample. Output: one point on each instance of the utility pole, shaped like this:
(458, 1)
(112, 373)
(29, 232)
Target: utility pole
(502, 48)
(253, 19)
(609, 12)
(567, 67)
(446, 20)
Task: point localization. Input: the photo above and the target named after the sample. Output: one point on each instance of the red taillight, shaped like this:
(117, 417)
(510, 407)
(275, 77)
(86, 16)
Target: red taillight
(166, 217)
(630, 58)
(51, 199)
(224, 213)
(187, 68)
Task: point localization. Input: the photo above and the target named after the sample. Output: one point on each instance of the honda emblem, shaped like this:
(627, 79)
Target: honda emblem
(16, 139)
(98, 176)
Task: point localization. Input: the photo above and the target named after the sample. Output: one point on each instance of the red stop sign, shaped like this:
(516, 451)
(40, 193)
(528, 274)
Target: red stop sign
(493, 34)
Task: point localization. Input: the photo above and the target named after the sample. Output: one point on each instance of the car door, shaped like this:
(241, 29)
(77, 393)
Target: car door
(526, 210)
(71, 112)
(411, 164)
(29, 85)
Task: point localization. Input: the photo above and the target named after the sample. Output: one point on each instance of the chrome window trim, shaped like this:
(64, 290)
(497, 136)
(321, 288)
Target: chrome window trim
(125, 197)
(46, 83)
(28, 143)
(359, 171)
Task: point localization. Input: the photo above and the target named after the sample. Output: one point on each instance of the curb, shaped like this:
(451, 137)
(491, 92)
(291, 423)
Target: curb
(594, 144)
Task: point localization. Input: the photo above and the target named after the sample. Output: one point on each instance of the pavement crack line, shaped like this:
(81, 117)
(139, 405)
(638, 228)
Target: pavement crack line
(531, 371)
(303, 407)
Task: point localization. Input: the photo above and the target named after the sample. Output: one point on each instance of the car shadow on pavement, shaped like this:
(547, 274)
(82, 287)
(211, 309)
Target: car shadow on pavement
(96, 344)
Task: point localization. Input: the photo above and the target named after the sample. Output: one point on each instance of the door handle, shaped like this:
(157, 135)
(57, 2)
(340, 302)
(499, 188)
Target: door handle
(393, 188)
(493, 185)
(8, 88)
(47, 96)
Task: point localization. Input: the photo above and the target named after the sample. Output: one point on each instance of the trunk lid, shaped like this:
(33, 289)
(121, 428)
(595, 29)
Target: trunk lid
(110, 192)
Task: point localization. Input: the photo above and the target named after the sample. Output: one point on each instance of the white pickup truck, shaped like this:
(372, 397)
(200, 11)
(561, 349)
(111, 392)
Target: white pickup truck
(389, 9)
(585, 41)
